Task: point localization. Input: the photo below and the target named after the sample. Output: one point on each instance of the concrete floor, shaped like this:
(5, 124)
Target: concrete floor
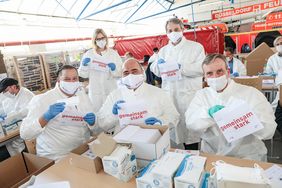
(276, 155)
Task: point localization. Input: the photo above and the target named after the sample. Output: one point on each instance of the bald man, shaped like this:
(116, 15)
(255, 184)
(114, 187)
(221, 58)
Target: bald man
(134, 96)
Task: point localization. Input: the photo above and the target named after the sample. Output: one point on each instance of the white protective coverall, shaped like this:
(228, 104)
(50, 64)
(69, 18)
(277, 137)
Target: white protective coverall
(101, 83)
(213, 141)
(56, 139)
(239, 67)
(157, 102)
(190, 56)
(17, 107)
(274, 64)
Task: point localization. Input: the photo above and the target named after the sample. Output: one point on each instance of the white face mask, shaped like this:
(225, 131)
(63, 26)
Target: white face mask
(69, 87)
(174, 36)
(219, 83)
(101, 43)
(133, 81)
(9, 95)
(228, 59)
(279, 48)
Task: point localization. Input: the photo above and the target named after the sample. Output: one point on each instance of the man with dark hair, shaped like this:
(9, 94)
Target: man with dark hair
(59, 119)
(236, 67)
(186, 56)
(14, 107)
(222, 92)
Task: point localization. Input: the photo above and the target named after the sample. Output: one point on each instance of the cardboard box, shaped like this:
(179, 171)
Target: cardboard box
(80, 161)
(118, 158)
(257, 59)
(145, 179)
(18, 169)
(2, 133)
(147, 151)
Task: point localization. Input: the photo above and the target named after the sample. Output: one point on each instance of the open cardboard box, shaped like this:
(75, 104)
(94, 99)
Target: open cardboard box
(77, 160)
(147, 151)
(18, 169)
(257, 59)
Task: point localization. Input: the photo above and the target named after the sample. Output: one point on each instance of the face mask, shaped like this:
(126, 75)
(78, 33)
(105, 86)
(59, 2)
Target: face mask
(101, 43)
(9, 95)
(174, 36)
(69, 87)
(228, 59)
(133, 81)
(279, 48)
(217, 83)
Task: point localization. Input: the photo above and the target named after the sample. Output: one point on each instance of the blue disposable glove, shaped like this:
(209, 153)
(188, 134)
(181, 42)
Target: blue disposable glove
(2, 118)
(90, 118)
(54, 110)
(215, 109)
(116, 107)
(112, 66)
(152, 121)
(235, 74)
(86, 61)
(161, 61)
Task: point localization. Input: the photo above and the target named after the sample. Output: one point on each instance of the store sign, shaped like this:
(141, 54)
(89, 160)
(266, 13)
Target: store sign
(247, 9)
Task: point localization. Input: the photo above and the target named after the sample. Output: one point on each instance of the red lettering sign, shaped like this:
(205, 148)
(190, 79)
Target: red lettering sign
(247, 9)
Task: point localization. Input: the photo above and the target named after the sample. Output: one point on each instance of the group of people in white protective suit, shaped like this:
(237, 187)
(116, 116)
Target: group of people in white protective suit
(64, 117)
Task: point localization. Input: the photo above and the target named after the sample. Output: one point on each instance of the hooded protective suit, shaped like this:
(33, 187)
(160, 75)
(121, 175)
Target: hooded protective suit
(189, 55)
(274, 64)
(57, 138)
(213, 141)
(100, 83)
(157, 103)
(239, 67)
(17, 107)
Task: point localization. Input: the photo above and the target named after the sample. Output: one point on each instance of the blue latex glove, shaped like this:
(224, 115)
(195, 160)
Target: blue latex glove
(2, 118)
(235, 74)
(90, 118)
(86, 61)
(112, 66)
(161, 61)
(152, 121)
(116, 107)
(54, 110)
(215, 109)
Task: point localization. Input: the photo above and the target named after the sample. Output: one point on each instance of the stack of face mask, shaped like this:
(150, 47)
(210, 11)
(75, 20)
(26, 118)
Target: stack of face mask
(190, 173)
(164, 172)
(230, 176)
(121, 163)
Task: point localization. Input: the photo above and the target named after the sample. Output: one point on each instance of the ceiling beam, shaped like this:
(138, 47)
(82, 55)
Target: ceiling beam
(83, 9)
(135, 11)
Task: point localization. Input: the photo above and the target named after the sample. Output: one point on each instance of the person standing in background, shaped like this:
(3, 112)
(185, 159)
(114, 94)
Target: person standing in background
(236, 67)
(102, 66)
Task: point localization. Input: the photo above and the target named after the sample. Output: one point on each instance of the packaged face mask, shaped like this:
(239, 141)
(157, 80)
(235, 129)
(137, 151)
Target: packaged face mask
(231, 176)
(174, 36)
(218, 83)
(101, 43)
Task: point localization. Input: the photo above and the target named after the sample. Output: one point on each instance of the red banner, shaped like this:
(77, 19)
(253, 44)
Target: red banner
(247, 9)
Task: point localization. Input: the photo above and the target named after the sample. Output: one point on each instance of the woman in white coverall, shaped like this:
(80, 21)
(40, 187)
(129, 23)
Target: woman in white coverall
(15, 108)
(221, 91)
(101, 81)
(59, 119)
(189, 55)
(274, 63)
(156, 102)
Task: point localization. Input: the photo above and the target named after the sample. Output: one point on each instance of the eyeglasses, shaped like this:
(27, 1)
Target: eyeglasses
(99, 39)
